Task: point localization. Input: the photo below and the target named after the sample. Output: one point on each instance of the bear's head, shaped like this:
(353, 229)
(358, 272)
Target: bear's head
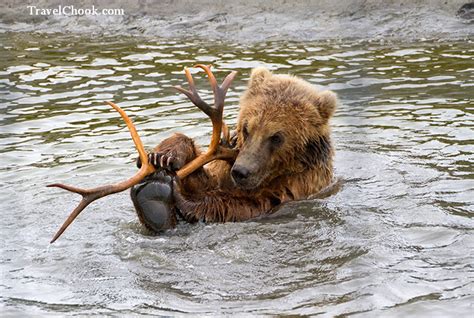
(283, 129)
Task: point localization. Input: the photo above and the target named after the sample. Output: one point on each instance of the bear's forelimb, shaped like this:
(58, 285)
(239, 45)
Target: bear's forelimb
(220, 206)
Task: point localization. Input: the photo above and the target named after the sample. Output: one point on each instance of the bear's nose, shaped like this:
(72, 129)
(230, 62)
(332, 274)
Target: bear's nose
(240, 173)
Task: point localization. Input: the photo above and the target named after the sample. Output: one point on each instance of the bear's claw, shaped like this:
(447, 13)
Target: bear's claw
(165, 161)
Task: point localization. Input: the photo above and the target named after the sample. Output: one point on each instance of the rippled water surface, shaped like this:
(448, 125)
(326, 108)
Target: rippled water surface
(396, 240)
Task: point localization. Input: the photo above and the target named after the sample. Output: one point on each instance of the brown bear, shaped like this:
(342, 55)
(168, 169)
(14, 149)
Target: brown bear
(285, 153)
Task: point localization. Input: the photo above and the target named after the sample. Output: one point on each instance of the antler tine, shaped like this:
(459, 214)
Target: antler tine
(215, 151)
(193, 95)
(90, 195)
(87, 197)
(133, 132)
(211, 78)
(219, 91)
(227, 81)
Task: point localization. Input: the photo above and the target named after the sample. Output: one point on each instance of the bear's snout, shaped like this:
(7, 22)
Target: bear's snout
(240, 173)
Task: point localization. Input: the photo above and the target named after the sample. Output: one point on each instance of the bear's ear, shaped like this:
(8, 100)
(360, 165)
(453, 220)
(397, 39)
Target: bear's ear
(326, 102)
(257, 77)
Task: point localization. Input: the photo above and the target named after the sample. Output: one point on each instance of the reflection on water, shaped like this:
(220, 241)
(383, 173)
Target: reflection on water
(396, 240)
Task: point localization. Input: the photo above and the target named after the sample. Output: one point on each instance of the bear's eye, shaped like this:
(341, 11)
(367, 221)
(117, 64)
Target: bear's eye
(276, 140)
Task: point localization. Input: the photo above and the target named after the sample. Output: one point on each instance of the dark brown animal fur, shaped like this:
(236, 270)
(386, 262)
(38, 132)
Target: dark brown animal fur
(285, 153)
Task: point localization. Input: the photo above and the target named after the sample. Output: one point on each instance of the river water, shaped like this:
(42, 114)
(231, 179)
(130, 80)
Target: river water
(396, 240)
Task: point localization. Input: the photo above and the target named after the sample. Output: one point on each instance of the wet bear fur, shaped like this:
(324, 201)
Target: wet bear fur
(285, 153)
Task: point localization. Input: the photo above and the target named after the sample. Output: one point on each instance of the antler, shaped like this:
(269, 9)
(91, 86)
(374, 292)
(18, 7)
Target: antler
(90, 195)
(214, 152)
